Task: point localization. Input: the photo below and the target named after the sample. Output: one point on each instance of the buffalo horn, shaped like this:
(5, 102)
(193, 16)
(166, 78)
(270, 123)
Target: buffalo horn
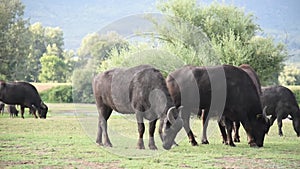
(33, 106)
(43, 105)
(265, 113)
(170, 115)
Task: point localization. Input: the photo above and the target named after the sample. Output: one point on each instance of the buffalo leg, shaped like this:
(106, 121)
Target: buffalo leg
(104, 113)
(152, 145)
(22, 111)
(251, 140)
(204, 124)
(236, 127)
(228, 126)
(272, 119)
(223, 131)
(33, 111)
(186, 126)
(279, 122)
(141, 129)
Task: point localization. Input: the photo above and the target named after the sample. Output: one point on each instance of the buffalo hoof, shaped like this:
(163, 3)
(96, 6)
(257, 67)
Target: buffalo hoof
(205, 142)
(107, 145)
(194, 143)
(253, 145)
(231, 144)
(99, 144)
(140, 145)
(237, 140)
(152, 147)
(280, 134)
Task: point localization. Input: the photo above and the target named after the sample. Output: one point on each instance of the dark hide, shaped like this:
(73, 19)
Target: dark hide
(141, 90)
(12, 110)
(221, 89)
(236, 124)
(23, 94)
(281, 102)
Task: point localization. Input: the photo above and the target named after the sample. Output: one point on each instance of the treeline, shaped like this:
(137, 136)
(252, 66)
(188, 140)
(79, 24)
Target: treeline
(190, 33)
(31, 52)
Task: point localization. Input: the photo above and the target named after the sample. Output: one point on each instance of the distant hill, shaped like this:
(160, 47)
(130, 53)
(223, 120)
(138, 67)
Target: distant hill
(77, 18)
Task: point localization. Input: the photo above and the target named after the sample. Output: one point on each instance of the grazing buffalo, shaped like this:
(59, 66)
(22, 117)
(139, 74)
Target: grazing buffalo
(220, 89)
(141, 90)
(254, 77)
(281, 102)
(2, 105)
(12, 110)
(23, 94)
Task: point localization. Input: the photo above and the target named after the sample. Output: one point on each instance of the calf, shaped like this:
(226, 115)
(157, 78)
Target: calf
(12, 110)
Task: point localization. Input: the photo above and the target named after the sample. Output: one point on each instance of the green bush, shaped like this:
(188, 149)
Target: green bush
(58, 94)
(296, 91)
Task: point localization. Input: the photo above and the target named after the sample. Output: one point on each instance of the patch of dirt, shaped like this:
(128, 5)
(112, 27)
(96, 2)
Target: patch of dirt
(12, 163)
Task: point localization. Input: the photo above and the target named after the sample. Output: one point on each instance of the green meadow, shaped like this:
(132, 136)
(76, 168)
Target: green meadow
(66, 139)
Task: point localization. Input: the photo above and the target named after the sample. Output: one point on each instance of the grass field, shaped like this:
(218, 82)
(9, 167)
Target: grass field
(66, 139)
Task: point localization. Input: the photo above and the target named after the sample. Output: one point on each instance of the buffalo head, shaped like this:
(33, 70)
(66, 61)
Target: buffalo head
(172, 125)
(296, 123)
(262, 125)
(42, 110)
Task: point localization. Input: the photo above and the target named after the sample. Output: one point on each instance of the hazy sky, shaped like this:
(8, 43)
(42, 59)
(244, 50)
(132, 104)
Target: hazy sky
(77, 18)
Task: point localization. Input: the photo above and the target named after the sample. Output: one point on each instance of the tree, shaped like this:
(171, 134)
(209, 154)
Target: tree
(94, 49)
(231, 32)
(82, 86)
(97, 47)
(13, 40)
(54, 68)
(43, 39)
(36, 49)
(290, 75)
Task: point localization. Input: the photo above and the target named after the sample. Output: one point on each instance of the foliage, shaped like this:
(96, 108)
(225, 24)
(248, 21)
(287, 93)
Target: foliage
(82, 85)
(290, 75)
(58, 94)
(232, 34)
(97, 47)
(53, 69)
(136, 55)
(13, 40)
(22, 46)
(296, 91)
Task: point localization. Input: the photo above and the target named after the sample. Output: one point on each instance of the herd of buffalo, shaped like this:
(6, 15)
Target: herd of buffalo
(232, 94)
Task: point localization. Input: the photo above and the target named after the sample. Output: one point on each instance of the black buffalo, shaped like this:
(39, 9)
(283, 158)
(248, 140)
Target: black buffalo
(25, 95)
(236, 124)
(220, 89)
(141, 90)
(12, 110)
(281, 102)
